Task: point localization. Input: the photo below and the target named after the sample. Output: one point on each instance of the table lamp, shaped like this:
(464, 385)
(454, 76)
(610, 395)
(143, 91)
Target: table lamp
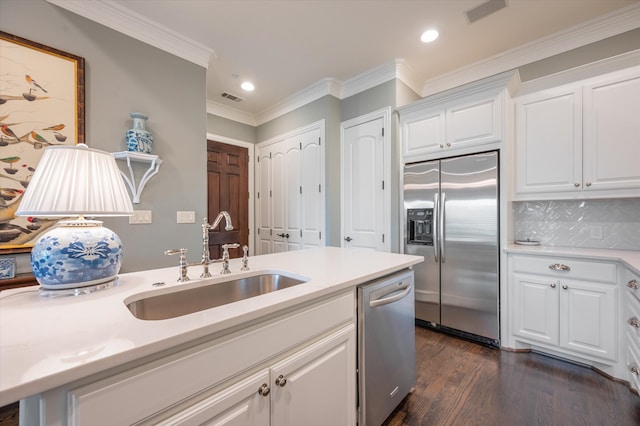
(79, 255)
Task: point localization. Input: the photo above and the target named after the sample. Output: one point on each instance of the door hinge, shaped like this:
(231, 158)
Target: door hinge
(300, 146)
(258, 158)
(270, 194)
(300, 189)
(258, 195)
(383, 238)
(383, 131)
(383, 185)
(270, 231)
(319, 141)
(258, 231)
(320, 187)
(319, 235)
(301, 233)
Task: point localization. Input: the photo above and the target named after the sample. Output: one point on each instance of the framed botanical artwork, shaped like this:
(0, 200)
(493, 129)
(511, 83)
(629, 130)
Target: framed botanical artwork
(41, 105)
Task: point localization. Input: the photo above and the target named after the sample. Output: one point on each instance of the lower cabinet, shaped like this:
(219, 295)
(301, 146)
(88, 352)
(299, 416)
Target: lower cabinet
(632, 324)
(293, 368)
(566, 305)
(314, 386)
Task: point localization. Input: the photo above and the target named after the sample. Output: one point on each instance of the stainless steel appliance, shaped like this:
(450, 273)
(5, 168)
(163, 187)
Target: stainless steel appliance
(386, 346)
(451, 213)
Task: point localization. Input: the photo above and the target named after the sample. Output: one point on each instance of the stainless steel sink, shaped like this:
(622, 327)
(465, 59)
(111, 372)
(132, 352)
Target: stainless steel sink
(189, 300)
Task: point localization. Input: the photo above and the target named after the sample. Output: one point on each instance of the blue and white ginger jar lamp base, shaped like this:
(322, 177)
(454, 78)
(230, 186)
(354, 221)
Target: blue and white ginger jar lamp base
(76, 253)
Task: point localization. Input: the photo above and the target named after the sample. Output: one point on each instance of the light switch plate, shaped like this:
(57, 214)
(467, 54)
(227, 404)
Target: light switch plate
(140, 217)
(186, 217)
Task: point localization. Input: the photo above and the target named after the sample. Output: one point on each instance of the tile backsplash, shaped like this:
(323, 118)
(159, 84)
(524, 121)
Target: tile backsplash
(613, 224)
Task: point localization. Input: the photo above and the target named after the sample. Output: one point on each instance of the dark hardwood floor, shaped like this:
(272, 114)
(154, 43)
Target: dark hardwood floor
(464, 383)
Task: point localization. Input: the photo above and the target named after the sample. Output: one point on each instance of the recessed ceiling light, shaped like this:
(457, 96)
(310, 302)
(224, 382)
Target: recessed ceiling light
(429, 36)
(248, 86)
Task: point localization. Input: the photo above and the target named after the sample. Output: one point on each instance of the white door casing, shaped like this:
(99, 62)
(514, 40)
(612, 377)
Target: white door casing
(366, 177)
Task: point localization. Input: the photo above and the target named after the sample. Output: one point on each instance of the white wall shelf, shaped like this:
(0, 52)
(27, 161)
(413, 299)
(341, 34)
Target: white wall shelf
(154, 162)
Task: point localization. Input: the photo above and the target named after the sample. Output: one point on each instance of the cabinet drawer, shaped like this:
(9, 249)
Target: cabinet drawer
(138, 393)
(633, 363)
(632, 318)
(577, 269)
(632, 283)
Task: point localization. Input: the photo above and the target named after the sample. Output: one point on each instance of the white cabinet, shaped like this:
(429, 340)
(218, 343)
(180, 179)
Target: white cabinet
(632, 329)
(581, 140)
(566, 305)
(314, 386)
(233, 378)
(290, 199)
(456, 121)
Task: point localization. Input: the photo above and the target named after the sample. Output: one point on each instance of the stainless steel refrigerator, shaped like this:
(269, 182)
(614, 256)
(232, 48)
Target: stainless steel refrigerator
(451, 216)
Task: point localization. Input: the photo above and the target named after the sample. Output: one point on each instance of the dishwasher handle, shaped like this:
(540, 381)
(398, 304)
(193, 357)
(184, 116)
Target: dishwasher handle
(405, 287)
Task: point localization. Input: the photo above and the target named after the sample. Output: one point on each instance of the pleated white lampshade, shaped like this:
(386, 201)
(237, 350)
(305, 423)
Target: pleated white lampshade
(76, 180)
(76, 254)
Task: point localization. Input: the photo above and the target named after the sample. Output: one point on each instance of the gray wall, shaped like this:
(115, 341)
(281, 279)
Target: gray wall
(123, 75)
(231, 129)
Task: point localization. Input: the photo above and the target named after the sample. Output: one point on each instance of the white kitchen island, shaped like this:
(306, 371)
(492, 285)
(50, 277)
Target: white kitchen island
(278, 357)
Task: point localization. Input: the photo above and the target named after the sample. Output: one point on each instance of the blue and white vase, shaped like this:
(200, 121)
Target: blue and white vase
(76, 254)
(139, 139)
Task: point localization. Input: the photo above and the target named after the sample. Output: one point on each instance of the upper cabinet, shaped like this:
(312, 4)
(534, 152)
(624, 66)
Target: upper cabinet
(457, 121)
(580, 140)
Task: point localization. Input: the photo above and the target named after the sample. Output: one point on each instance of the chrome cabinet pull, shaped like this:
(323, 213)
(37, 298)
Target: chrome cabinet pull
(564, 286)
(553, 285)
(281, 381)
(577, 184)
(264, 390)
(348, 239)
(634, 370)
(559, 267)
(633, 284)
(588, 183)
(633, 322)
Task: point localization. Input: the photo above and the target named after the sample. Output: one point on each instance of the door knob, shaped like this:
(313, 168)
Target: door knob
(348, 239)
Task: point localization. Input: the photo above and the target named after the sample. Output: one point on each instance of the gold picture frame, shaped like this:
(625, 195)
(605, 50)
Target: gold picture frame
(41, 104)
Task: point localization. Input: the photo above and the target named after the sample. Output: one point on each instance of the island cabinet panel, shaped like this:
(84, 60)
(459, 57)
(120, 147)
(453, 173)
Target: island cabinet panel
(565, 305)
(138, 394)
(579, 140)
(631, 326)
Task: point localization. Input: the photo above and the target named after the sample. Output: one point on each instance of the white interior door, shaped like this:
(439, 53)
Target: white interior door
(363, 171)
(312, 177)
(263, 217)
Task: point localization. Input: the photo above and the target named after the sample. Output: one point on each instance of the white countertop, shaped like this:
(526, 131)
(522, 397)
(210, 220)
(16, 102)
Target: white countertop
(48, 342)
(630, 258)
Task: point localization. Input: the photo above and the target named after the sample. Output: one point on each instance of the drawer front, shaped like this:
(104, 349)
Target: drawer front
(632, 283)
(560, 267)
(632, 318)
(138, 393)
(633, 363)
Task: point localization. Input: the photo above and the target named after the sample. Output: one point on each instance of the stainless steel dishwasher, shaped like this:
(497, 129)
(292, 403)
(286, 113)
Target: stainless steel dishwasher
(386, 346)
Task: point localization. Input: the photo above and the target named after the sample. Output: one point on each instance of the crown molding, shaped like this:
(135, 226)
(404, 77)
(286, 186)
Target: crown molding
(324, 87)
(618, 22)
(230, 113)
(124, 20)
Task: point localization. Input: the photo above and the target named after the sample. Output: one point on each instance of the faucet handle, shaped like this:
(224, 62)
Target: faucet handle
(182, 263)
(225, 257)
(245, 258)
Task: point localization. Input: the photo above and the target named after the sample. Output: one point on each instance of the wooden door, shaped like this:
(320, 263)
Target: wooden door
(228, 189)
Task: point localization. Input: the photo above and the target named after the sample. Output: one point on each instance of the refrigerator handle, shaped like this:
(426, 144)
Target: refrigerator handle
(441, 226)
(436, 242)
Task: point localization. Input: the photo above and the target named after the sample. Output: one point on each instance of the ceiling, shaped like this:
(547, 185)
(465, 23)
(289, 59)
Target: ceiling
(284, 47)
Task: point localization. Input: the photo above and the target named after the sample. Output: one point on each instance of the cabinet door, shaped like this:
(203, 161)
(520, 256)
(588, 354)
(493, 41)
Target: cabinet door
(535, 310)
(240, 404)
(317, 386)
(423, 132)
(549, 142)
(588, 315)
(263, 216)
(612, 133)
(312, 166)
(474, 123)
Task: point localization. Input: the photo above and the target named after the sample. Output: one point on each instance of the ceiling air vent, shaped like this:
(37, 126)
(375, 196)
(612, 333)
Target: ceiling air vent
(231, 97)
(485, 9)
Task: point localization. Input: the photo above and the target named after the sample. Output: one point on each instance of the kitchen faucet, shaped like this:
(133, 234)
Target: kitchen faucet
(206, 260)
